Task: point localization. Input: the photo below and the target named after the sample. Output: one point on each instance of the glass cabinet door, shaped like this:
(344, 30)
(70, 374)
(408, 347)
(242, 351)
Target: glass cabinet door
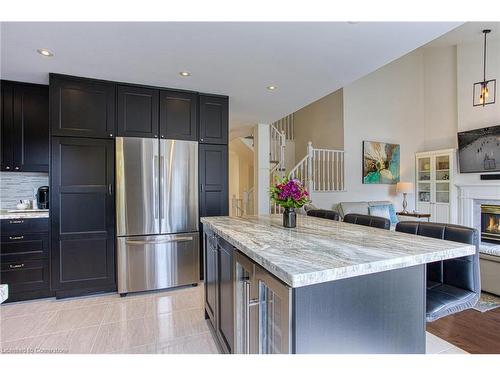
(274, 315)
(245, 309)
(424, 169)
(442, 165)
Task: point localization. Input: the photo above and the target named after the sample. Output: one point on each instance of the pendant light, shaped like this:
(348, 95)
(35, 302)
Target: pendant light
(484, 92)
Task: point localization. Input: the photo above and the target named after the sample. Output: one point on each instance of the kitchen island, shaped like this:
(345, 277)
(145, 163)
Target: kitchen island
(323, 287)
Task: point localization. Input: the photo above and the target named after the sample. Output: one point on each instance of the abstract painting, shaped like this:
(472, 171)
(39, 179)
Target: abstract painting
(380, 163)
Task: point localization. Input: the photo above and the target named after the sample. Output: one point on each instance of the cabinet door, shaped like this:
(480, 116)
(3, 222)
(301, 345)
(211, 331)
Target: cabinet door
(25, 276)
(82, 215)
(213, 180)
(137, 112)
(82, 107)
(31, 128)
(178, 115)
(225, 318)
(441, 213)
(214, 119)
(7, 125)
(211, 277)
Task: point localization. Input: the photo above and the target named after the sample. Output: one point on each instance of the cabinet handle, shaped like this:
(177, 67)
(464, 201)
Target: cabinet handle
(16, 265)
(162, 136)
(16, 237)
(110, 189)
(7, 168)
(201, 139)
(110, 134)
(156, 135)
(201, 187)
(16, 221)
(246, 298)
(16, 168)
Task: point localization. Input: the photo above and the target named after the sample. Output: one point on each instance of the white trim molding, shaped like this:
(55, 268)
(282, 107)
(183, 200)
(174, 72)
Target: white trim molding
(470, 195)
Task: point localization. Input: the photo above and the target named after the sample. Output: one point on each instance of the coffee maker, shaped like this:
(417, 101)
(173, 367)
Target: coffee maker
(42, 197)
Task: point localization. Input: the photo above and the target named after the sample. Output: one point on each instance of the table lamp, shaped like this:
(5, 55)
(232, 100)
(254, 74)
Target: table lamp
(405, 188)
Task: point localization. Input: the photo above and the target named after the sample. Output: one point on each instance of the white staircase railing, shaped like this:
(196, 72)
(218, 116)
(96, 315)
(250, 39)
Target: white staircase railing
(248, 201)
(321, 170)
(286, 126)
(242, 206)
(277, 152)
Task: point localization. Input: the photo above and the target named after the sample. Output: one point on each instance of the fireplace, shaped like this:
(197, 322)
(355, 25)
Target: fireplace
(490, 223)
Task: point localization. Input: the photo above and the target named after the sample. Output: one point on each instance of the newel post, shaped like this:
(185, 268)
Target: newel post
(309, 179)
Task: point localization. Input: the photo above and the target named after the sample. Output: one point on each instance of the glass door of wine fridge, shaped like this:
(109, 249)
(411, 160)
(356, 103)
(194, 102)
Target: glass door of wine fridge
(263, 310)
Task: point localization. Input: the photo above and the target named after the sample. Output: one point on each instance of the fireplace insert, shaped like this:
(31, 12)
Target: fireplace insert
(490, 223)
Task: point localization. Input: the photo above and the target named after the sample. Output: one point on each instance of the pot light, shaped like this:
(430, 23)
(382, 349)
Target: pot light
(45, 52)
(271, 87)
(184, 74)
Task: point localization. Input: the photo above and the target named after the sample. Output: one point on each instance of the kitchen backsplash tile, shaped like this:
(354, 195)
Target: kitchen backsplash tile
(19, 185)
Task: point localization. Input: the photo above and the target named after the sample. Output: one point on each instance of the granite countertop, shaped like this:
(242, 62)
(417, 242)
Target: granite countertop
(24, 215)
(4, 292)
(321, 250)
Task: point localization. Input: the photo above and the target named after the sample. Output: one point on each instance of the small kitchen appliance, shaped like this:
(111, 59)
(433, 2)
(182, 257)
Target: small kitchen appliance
(42, 197)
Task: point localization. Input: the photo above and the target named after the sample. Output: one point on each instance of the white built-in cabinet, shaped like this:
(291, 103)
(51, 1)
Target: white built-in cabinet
(434, 187)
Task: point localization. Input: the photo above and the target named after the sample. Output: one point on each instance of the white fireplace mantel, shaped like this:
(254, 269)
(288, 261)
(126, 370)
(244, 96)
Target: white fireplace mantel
(471, 195)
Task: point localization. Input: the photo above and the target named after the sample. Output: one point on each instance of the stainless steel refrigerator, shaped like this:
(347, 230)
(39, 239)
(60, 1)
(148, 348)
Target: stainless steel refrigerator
(156, 213)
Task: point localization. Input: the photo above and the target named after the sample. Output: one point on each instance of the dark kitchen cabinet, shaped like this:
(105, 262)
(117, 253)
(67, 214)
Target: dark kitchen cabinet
(213, 176)
(178, 115)
(82, 107)
(24, 258)
(82, 216)
(25, 127)
(137, 112)
(219, 300)
(225, 318)
(26, 279)
(214, 119)
(211, 277)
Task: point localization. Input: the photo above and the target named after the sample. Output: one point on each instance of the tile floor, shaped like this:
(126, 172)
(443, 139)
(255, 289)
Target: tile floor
(166, 322)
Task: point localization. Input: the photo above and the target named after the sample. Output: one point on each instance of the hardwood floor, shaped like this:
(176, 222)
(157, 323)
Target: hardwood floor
(470, 330)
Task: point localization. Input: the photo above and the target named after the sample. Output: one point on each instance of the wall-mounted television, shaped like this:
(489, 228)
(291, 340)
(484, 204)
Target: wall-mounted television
(479, 150)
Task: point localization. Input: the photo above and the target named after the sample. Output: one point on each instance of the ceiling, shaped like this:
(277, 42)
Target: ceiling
(470, 32)
(304, 60)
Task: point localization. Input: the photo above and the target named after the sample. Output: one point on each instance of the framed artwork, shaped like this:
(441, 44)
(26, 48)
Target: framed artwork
(380, 163)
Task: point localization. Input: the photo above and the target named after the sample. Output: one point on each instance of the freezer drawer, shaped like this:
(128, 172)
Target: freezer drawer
(157, 262)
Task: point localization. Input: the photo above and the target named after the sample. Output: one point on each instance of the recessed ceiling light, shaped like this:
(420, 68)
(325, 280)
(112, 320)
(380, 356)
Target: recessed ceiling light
(184, 74)
(271, 87)
(45, 52)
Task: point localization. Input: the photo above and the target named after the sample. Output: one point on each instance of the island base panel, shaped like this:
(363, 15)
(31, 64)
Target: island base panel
(377, 313)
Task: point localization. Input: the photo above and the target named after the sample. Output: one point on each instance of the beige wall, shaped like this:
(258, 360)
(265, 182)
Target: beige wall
(386, 106)
(321, 122)
(241, 166)
(440, 97)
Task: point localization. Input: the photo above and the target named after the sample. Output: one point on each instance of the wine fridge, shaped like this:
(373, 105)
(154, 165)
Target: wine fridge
(263, 312)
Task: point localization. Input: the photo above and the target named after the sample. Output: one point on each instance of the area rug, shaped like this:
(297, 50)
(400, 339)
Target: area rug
(487, 302)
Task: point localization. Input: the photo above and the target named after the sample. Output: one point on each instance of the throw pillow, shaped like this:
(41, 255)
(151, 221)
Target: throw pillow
(390, 208)
(380, 211)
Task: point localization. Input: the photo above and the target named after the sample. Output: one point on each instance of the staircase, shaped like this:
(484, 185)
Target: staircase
(321, 170)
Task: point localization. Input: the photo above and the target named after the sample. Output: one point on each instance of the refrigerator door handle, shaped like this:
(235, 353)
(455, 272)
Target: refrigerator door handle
(162, 181)
(178, 239)
(156, 195)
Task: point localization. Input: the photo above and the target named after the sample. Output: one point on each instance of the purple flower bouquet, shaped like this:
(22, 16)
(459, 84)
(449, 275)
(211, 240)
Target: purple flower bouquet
(289, 194)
